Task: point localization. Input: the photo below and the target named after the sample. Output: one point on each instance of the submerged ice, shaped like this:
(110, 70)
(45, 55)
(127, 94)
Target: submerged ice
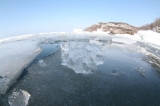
(19, 98)
(42, 63)
(82, 57)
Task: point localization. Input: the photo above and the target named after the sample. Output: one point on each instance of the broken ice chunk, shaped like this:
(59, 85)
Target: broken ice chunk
(96, 42)
(42, 63)
(19, 98)
(114, 73)
(141, 71)
(82, 58)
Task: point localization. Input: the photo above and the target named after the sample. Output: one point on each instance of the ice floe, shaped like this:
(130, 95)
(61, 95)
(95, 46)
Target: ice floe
(82, 57)
(15, 56)
(19, 98)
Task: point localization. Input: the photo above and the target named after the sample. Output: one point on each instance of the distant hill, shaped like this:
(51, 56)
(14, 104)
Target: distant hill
(113, 28)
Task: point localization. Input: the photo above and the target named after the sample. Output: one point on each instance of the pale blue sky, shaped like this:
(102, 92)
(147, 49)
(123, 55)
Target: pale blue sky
(18, 17)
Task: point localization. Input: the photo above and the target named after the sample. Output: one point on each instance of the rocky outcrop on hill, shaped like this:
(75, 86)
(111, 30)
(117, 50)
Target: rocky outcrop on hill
(113, 28)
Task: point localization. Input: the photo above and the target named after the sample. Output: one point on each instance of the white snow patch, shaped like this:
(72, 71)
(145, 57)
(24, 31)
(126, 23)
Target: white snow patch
(43, 33)
(150, 37)
(95, 42)
(77, 30)
(123, 40)
(99, 31)
(16, 38)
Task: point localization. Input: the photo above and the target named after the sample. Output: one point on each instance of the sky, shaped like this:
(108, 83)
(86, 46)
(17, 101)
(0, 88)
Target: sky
(19, 17)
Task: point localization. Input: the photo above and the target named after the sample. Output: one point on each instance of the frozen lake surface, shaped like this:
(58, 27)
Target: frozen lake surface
(88, 71)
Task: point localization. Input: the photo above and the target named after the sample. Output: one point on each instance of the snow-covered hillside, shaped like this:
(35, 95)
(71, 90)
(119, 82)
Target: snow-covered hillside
(113, 28)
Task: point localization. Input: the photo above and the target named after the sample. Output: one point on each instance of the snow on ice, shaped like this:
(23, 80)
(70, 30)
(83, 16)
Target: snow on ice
(17, 52)
(15, 56)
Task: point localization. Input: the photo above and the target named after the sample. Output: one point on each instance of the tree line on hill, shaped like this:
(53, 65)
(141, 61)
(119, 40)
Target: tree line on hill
(152, 26)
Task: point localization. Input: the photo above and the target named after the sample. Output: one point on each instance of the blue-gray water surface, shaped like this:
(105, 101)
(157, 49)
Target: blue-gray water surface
(90, 74)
